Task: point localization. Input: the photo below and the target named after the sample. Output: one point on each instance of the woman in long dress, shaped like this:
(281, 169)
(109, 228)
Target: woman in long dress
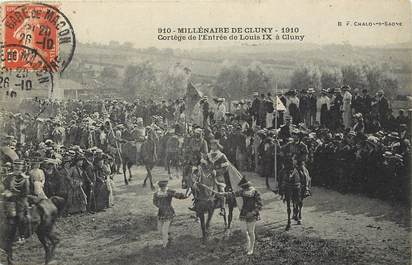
(78, 199)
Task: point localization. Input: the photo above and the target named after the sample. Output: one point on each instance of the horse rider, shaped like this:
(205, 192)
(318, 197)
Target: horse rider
(298, 150)
(220, 164)
(195, 149)
(17, 187)
(138, 135)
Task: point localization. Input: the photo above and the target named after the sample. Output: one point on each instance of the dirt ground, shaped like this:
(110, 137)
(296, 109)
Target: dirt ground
(337, 229)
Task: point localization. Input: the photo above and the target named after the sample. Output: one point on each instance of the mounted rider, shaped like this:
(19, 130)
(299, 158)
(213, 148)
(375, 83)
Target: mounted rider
(298, 150)
(220, 164)
(138, 134)
(17, 187)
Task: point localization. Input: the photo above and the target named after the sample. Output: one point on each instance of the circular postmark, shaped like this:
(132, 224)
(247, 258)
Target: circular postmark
(42, 27)
(30, 74)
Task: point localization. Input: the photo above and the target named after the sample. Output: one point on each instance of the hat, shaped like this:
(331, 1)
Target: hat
(18, 162)
(346, 88)
(244, 182)
(255, 94)
(88, 152)
(71, 153)
(78, 157)
(139, 120)
(337, 90)
(380, 91)
(352, 133)
(394, 135)
(50, 161)
(162, 183)
(311, 90)
(357, 115)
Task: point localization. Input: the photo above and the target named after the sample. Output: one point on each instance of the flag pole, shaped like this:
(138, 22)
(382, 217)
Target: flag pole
(277, 138)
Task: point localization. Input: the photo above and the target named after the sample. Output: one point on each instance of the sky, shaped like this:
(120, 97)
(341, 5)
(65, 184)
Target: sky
(138, 21)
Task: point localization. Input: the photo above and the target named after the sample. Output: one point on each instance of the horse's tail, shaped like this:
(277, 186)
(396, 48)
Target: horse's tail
(59, 202)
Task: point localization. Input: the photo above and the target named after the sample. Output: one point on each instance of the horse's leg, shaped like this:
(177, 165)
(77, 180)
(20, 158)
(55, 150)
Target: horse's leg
(54, 240)
(42, 237)
(289, 211)
(12, 229)
(124, 172)
(225, 219)
(201, 216)
(129, 166)
(167, 162)
(229, 218)
(149, 175)
(300, 205)
(209, 217)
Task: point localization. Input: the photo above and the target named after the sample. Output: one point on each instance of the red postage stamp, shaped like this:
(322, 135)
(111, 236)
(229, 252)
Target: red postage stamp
(30, 26)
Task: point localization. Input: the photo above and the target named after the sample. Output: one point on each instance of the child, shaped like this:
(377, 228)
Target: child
(162, 199)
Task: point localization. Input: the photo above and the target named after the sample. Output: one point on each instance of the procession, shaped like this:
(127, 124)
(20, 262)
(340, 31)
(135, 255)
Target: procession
(292, 140)
(205, 132)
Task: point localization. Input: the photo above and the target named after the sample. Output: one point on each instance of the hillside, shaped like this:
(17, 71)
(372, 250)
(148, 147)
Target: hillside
(279, 60)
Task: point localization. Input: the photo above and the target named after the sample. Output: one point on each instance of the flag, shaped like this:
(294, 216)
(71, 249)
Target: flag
(279, 105)
(235, 176)
(192, 97)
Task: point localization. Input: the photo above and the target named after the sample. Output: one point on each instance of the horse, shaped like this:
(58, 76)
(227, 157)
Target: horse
(44, 213)
(232, 177)
(292, 189)
(173, 151)
(147, 156)
(204, 196)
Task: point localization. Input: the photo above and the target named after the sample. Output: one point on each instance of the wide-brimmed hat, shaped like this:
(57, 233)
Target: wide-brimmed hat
(394, 135)
(311, 90)
(337, 90)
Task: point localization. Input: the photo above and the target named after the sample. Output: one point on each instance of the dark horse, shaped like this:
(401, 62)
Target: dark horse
(147, 156)
(204, 197)
(293, 189)
(43, 214)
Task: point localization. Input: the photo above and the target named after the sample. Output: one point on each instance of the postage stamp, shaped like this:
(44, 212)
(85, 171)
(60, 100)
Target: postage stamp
(30, 72)
(42, 27)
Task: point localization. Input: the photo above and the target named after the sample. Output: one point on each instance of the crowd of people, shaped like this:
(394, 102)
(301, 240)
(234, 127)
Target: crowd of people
(70, 148)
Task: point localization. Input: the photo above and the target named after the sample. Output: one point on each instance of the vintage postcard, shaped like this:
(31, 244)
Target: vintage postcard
(205, 132)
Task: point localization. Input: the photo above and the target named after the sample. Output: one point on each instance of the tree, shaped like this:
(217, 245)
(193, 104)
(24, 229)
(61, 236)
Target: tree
(256, 79)
(379, 79)
(109, 72)
(231, 81)
(331, 78)
(175, 81)
(305, 77)
(354, 76)
(141, 80)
